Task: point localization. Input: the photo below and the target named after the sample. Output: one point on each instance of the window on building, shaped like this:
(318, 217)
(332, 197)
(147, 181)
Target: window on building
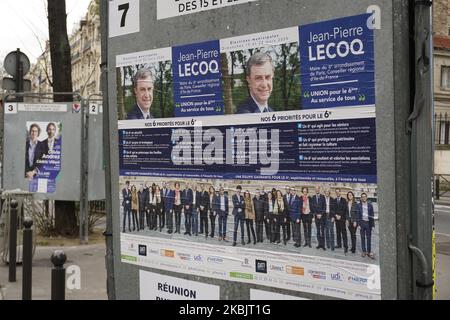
(445, 77)
(442, 129)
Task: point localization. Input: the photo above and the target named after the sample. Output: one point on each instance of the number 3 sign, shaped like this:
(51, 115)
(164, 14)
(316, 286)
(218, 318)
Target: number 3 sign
(123, 17)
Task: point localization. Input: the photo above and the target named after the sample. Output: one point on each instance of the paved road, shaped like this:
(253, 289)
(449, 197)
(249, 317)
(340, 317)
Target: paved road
(442, 219)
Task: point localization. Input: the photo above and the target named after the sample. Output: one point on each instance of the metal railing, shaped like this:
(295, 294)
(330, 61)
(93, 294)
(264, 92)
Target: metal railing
(442, 185)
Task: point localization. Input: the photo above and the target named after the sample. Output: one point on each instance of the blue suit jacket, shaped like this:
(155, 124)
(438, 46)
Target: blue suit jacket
(238, 203)
(136, 113)
(39, 151)
(294, 206)
(218, 204)
(126, 202)
(168, 199)
(188, 197)
(249, 106)
(371, 213)
(318, 206)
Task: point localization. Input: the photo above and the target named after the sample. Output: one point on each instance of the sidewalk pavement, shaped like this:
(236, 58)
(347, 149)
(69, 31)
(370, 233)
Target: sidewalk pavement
(443, 267)
(90, 259)
(443, 200)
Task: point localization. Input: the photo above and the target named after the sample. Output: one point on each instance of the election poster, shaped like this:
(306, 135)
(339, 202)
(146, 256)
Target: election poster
(253, 159)
(43, 155)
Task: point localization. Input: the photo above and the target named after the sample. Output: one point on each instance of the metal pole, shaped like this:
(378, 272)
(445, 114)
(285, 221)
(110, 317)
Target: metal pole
(27, 257)
(436, 195)
(58, 275)
(84, 223)
(110, 281)
(19, 76)
(13, 240)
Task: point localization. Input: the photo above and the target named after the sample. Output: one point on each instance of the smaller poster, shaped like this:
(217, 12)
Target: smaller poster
(43, 155)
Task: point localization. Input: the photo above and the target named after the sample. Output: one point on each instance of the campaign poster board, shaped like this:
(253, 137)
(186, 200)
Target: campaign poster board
(253, 159)
(50, 169)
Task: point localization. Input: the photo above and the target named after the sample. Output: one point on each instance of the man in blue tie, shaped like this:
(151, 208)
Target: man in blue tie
(260, 73)
(143, 91)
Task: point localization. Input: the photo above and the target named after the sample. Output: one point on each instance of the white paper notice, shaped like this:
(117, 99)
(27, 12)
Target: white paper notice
(155, 286)
(42, 186)
(173, 8)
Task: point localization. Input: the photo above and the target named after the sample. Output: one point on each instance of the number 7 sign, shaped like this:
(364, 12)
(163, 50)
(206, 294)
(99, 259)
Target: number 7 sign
(123, 17)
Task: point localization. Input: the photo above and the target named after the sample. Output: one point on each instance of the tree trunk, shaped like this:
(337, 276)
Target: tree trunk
(65, 218)
(59, 50)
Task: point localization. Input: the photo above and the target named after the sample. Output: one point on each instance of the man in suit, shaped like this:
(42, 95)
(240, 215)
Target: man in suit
(188, 199)
(340, 218)
(51, 140)
(260, 73)
(239, 214)
(168, 198)
(126, 203)
(34, 151)
(259, 205)
(366, 221)
(318, 206)
(177, 206)
(203, 210)
(330, 214)
(264, 197)
(197, 203)
(142, 204)
(294, 204)
(288, 198)
(222, 210)
(143, 91)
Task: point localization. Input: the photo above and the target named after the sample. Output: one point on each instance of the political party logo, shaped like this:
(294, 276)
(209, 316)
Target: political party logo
(76, 108)
(336, 276)
(168, 253)
(213, 259)
(320, 275)
(198, 258)
(246, 263)
(295, 270)
(184, 256)
(142, 250)
(274, 267)
(357, 280)
(261, 266)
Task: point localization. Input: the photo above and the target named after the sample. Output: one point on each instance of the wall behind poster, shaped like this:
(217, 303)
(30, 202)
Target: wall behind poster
(67, 183)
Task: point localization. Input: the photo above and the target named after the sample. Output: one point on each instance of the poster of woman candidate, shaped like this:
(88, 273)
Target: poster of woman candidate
(43, 155)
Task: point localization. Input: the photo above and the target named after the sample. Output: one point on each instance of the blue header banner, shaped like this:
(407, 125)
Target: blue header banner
(197, 79)
(326, 150)
(337, 63)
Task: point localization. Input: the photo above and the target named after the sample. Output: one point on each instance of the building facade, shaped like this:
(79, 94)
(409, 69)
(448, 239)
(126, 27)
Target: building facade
(441, 40)
(85, 49)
